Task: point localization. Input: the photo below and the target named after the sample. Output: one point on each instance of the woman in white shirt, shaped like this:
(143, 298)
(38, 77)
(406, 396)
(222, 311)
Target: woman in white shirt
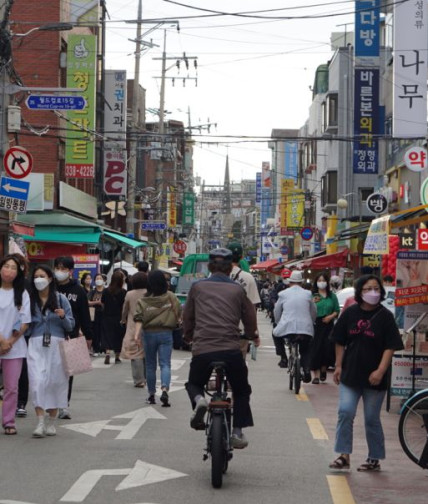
(15, 315)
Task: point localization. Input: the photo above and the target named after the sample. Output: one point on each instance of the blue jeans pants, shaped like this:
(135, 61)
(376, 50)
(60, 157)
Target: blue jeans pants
(349, 398)
(158, 345)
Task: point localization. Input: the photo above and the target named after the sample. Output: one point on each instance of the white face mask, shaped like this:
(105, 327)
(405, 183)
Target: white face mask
(61, 275)
(322, 285)
(98, 283)
(41, 283)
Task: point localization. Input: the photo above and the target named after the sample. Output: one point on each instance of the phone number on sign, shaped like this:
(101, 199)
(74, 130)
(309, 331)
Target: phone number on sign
(79, 171)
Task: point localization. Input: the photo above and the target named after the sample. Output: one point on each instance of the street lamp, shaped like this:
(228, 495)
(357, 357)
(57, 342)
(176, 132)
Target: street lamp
(45, 27)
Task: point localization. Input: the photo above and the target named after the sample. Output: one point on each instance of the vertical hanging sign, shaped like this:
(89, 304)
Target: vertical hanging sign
(81, 73)
(410, 69)
(188, 209)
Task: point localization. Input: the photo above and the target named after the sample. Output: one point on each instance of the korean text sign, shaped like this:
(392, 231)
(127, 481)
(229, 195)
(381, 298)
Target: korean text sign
(410, 69)
(367, 15)
(377, 241)
(188, 209)
(81, 73)
(411, 278)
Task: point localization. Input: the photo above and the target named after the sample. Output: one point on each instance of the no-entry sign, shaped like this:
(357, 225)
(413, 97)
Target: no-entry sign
(17, 162)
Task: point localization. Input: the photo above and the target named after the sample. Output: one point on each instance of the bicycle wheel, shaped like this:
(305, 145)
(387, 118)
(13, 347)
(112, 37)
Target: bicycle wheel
(413, 429)
(290, 371)
(217, 451)
(297, 375)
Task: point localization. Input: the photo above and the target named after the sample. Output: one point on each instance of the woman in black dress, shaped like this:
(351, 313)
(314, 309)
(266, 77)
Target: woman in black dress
(113, 331)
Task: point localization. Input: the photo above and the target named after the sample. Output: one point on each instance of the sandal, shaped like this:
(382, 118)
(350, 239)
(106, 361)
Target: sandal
(316, 381)
(369, 466)
(341, 462)
(10, 431)
(323, 376)
(140, 385)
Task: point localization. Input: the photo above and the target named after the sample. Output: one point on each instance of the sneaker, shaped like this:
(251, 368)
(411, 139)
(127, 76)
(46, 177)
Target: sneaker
(21, 412)
(197, 418)
(164, 399)
(239, 442)
(39, 431)
(151, 400)
(64, 414)
(50, 430)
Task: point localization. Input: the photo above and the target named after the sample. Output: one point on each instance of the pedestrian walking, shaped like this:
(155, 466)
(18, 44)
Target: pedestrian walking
(78, 300)
(52, 320)
(366, 337)
(327, 310)
(15, 316)
(86, 282)
(130, 349)
(96, 311)
(157, 313)
(113, 330)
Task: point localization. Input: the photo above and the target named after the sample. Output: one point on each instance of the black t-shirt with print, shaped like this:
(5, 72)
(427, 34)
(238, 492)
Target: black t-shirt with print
(366, 335)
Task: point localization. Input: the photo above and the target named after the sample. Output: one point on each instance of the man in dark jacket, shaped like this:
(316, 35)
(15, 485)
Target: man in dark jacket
(213, 310)
(78, 299)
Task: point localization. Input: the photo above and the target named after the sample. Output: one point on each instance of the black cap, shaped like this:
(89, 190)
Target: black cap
(220, 253)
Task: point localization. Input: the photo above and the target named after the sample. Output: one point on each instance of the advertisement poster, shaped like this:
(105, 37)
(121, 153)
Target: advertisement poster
(411, 278)
(377, 238)
(87, 263)
(402, 371)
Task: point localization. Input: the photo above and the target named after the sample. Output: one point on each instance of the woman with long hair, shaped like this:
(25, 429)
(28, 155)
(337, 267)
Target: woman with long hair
(86, 282)
(52, 319)
(112, 300)
(157, 313)
(96, 312)
(327, 310)
(15, 316)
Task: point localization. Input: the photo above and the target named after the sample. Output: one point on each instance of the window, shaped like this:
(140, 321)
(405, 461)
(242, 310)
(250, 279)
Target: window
(329, 189)
(332, 111)
(365, 193)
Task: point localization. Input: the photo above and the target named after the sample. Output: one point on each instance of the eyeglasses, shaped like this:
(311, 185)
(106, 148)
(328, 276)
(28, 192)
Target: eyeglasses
(368, 289)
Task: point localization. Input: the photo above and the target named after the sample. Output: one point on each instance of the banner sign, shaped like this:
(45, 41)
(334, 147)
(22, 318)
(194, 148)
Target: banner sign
(401, 374)
(265, 205)
(172, 208)
(188, 209)
(81, 73)
(410, 69)
(258, 188)
(367, 28)
(366, 120)
(411, 278)
(266, 174)
(296, 209)
(377, 241)
(290, 160)
(287, 185)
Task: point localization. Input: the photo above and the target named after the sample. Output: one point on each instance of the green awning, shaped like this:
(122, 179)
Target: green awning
(65, 234)
(124, 239)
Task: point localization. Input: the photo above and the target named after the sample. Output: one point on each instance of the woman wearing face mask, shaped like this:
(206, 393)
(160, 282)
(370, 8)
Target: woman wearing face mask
(322, 352)
(86, 282)
(96, 312)
(366, 337)
(52, 319)
(14, 319)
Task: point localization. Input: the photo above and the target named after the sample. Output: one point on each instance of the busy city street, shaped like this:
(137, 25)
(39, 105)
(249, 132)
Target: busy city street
(118, 450)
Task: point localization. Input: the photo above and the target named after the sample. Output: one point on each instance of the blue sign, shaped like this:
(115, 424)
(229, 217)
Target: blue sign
(258, 187)
(53, 102)
(306, 233)
(153, 226)
(290, 160)
(265, 206)
(14, 188)
(262, 258)
(366, 120)
(284, 250)
(367, 28)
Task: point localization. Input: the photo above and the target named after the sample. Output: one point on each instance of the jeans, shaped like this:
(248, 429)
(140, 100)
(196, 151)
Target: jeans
(158, 343)
(237, 374)
(348, 402)
(11, 369)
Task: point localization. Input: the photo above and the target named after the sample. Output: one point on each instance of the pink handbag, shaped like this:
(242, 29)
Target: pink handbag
(75, 356)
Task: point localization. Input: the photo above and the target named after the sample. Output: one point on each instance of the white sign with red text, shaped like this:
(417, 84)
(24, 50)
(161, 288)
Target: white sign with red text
(115, 173)
(415, 159)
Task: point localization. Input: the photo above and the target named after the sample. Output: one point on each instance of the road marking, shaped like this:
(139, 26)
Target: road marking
(301, 396)
(176, 364)
(137, 419)
(14, 502)
(339, 489)
(141, 474)
(316, 428)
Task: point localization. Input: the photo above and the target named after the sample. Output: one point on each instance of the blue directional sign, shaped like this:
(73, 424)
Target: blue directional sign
(153, 226)
(53, 102)
(14, 188)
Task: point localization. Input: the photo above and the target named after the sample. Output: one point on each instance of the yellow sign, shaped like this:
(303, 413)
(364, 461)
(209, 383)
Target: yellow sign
(296, 209)
(287, 185)
(172, 208)
(377, 241)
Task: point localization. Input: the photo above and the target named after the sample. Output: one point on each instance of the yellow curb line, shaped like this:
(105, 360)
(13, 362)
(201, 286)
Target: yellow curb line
(339, 489)
(316, 428)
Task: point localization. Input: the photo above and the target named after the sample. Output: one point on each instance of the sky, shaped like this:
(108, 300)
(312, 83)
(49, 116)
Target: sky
(254, 73)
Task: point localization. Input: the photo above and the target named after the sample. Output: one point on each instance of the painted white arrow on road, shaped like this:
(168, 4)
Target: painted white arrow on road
(14, 502)
(141, 474)
(8, 187)
(137, 419)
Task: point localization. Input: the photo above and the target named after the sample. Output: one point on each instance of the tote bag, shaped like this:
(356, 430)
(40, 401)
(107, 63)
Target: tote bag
(75, 356)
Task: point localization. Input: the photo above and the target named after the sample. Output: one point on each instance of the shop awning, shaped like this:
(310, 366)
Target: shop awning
(65, 234)
(265, 265)
(125, 240)
(336, 260)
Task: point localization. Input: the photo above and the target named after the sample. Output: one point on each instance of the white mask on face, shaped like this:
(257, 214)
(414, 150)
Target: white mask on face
(98, 283)
(322, 285)
(41, 283)
(61, 275)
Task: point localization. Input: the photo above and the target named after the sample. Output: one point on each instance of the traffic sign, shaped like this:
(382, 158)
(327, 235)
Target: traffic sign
(17, 162)
(180, 247)
(53, 102)
(377, 203)
(284, 250)
(306, 233)
(153, 226)
(14, 194)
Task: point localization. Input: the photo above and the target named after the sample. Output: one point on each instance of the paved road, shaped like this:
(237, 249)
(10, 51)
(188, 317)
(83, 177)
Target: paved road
(118, 450)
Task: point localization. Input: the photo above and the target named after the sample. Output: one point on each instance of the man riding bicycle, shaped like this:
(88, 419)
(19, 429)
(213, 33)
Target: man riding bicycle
(295, 314)
(211, 316)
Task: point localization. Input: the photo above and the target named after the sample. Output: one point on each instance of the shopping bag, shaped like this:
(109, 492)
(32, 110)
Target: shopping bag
(75, 356)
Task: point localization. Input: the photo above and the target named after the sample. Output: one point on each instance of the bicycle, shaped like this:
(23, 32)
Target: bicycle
(218, 426)
(413, 428)
(294, 367)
